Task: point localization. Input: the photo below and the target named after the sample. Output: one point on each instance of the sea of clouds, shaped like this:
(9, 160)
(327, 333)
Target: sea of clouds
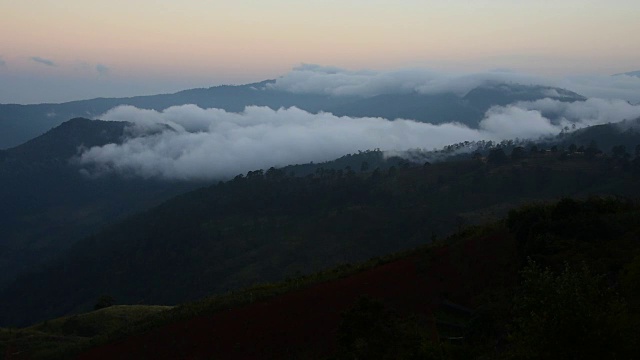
(187, 142)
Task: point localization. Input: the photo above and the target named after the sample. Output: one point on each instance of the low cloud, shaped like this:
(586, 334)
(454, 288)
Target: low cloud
(188, 142)
(625, 87)
(333, 81)
(2, 62)
(584, 113)
(42, 61)
(103, 70)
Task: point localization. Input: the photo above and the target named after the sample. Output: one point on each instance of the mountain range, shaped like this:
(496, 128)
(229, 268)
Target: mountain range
(19, 123)
(631, 73)
(72, 240)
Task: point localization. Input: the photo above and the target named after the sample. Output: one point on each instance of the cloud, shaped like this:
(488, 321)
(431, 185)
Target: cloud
(316, 79)
(43, 61)
(623, 87)
(593, 111)
(513, 122)
(333, 81)
(213, 143)
(2, 62)
(103, 70)
(188, 142)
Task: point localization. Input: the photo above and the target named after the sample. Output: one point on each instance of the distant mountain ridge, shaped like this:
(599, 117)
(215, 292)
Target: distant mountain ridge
(19, 123)
(630, 73)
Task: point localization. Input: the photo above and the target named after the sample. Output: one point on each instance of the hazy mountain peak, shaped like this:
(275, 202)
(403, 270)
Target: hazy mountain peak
(631, 73)
(63, 140)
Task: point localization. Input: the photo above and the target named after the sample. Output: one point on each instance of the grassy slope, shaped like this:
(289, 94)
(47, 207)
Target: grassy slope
(56, 337)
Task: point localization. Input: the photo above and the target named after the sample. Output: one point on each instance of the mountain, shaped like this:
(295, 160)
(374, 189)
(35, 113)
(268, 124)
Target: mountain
(442, 108)
(631, 73)
(46, 204)
(19, 123)
(267, 226)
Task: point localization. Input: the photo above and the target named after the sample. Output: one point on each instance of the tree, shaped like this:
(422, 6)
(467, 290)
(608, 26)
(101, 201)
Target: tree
(518, 153)
(369, 330)
(592, 150)
(497, 157)
(619, 151)
(104, 301)
(571, 315)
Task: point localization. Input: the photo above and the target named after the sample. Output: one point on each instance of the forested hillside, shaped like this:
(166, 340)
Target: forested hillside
(267, 226)
(547, 281)
(47, 203)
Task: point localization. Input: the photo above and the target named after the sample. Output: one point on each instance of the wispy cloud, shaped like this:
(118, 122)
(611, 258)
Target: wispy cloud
(103, 70)
(316, 79)
(2, 62)
(42, 61)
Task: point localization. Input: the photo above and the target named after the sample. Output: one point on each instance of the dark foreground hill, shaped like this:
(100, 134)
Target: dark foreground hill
(548, 281)
(269, 226)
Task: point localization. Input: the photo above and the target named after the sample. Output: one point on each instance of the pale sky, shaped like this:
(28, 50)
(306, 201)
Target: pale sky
(60, 50)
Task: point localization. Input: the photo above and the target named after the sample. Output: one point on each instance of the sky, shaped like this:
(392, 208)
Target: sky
(62, 50)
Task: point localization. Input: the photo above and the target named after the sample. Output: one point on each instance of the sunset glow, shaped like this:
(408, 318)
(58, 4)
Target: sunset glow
(103, 45)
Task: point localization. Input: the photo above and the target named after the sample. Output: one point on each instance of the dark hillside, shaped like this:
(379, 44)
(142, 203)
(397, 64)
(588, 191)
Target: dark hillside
(548, 281)
(46, 204)
(269, 226)
(305, 323)
(586, 297)
(62, 142)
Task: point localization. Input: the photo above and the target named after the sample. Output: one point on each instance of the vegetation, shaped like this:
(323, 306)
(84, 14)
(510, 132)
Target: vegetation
(267, 226)
(577, 299)
(58, 338)
(580, 304)
(572, 277)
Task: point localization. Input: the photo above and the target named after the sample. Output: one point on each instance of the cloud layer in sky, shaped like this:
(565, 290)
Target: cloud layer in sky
(316, 79)
(188, 142)
(334, 81)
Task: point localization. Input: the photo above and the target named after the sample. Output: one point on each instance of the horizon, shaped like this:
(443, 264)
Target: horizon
(70, 50)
